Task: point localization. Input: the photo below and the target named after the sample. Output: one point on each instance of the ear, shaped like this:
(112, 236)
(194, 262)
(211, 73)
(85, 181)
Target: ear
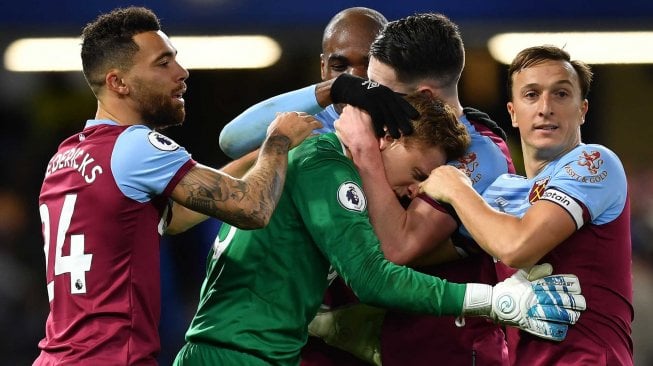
(323, 66)
(511, 112)
(583, 110)
(426, 90)
(385, 141)
(116, 83)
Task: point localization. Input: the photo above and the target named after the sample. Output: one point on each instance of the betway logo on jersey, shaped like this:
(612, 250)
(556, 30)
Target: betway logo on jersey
(77, 159)
(591, 161)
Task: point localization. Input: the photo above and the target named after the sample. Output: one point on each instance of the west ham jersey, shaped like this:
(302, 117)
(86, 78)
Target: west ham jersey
(101, 204)
(410, 339)
(589, 182)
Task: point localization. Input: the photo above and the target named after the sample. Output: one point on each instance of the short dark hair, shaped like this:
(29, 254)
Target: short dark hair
(426, 45)
(108, 42)
(437, 125)
(533, 56)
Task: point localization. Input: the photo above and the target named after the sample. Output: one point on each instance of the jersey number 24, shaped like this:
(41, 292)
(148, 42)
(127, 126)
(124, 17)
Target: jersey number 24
(76, 263)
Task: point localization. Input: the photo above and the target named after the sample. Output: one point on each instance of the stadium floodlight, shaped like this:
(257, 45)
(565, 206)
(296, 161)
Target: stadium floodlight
(590, 47)
(194, 52)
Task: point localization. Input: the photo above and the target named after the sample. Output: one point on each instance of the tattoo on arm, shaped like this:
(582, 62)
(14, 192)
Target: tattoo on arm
(248, 202)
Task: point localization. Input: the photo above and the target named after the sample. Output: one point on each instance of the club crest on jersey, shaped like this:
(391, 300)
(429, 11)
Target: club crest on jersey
(468, 164)
(537, 190)
(592, 161)
(162, 142)
(351, 197)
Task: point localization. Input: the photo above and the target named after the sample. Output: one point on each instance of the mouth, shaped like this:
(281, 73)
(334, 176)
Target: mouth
(546, 127)
(179, 94)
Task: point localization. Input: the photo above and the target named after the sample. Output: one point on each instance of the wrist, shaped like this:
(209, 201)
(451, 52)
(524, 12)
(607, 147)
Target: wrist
(277, 142)
(323, 93)
(366, 153)
(478, 300)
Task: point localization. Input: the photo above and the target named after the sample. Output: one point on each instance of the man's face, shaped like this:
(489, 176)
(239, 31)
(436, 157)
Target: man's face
(548, 108)
(156, 81)
(346, 51)
(385, 75)
(408, 165)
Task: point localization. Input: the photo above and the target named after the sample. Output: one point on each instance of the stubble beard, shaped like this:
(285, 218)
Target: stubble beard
(159, 111)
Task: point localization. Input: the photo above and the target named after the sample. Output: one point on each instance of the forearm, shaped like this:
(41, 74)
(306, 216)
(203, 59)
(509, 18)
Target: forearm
(266, 178)
(323, 93)
(409, 236)
(378, 282)
(246, 203)
(183, 219)
(405, 291)
(387, 215)
(247, 131)
(497, 233)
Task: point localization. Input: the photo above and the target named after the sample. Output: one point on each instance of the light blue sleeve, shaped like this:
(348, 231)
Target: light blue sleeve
(593, 175)
(483, 161)
(144, 162)
(247, 131)
(328, 117)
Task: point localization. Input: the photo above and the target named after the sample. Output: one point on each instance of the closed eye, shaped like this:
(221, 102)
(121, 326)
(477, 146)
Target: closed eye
(419, 175)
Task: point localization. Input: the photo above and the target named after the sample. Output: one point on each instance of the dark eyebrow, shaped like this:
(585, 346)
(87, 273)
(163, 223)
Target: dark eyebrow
(557, 83)
(165, 54)
(337, 57)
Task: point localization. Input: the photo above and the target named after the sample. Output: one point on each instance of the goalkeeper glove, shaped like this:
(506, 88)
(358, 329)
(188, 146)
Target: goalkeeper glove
(386, 107)
(354, 328)
(534, 301)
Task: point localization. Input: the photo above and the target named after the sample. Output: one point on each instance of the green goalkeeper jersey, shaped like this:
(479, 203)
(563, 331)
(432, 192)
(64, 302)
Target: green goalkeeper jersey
(264, 286)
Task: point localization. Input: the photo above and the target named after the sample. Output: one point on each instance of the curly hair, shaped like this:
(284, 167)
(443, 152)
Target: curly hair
(108, 42)
(437, 125)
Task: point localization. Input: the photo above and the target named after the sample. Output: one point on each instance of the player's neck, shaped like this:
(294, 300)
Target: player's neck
(122, 117)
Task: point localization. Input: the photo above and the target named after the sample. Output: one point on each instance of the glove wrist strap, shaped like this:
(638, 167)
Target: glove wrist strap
(478, 300)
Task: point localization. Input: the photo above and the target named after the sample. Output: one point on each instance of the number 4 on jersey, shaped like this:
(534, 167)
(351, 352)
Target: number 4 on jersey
(77, 263)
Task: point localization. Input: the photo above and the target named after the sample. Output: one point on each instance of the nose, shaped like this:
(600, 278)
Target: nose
(545, 105)
(413, 190)
(184, 72)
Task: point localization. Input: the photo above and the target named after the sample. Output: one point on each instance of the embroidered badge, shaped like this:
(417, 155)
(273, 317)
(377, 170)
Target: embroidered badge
(468, 164)
(591, 161)
(162, 142)
(351, 197)
(537, 190)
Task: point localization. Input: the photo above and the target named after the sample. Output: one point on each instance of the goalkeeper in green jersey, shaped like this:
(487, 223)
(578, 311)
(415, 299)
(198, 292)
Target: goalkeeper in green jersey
(263, 287)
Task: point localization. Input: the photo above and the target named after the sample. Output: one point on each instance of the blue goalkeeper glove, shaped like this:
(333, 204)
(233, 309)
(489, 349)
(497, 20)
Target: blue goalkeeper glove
(536, 302)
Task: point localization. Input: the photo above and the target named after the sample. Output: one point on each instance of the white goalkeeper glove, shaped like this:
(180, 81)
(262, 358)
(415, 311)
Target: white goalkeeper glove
(353, 328)
(533, 301)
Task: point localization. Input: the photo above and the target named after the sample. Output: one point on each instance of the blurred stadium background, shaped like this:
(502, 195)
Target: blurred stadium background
(39, 109)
